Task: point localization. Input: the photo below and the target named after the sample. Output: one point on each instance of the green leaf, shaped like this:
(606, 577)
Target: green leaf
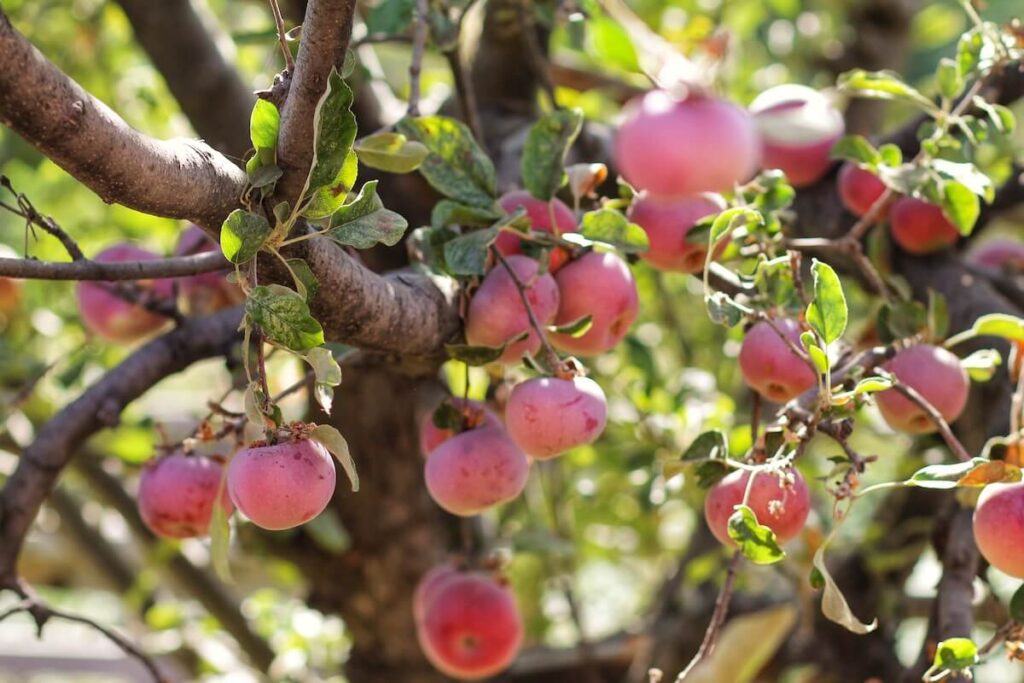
(1001, 117)
(856, 148)
(242, 235)
(982, 364)
(549, 140)
(391, 152)
(612, 227)
(284, 317)
(901, 319)
(1017, 605)
(960, 205)
(456, 166)
(264, 124)
(827, 313)
(305, 282)
(872, 385)
(575, 329)
(467, 254)
(335, 131)
(364, 222)
(943, 476)
(756, 541)
(730, 219)
(949, 78)
(475, 355)
(724, 310)
(833, 604)
(882, 85)
(325, 367)
(711, 445)
(334, 442)
(220, 537)
(891, 154)
(968, 52)
(265, 176)
(325, 201)
(447, 212)
(967, 175)
(818, 357)
(390, 17)
(938, 315)
(999, 325)
(956, 654)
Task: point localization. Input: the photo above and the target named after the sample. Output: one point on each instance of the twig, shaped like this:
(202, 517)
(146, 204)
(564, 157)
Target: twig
(550, 355)
(26, 210)
(42, 613)
(86, 269)
(707, 646)
(419, 45)
(465, 92)
(282, 35)
(936, 417)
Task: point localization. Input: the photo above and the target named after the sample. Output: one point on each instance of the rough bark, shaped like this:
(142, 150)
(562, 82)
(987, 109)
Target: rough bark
(186, 53)
(174, 178)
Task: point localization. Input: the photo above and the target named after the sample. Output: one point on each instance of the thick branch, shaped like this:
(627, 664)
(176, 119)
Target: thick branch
(204, 83)
(326, 31)
(175, 178)
(100, 406)
(179, 266)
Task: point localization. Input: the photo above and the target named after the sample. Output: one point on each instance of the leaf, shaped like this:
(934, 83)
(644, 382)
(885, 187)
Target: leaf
(999, 325)
(306, 283)
(960, 205)
(242, 235)
(576, 328)
(447, 212)
(724, 310)
(335, 131)
(391, 152)
(938, 315)
(220, 536)
(956, 654)
(612, 227)
(390, 17)
(1017, 605)
(991, 472)
(251, 401)
(943, 476)
(327, 200)
(325, 367)
(745, 646)
(756, 541)
(334, 442)
(456, 166)
(967, 175)
(949, 78)
(901, 319)
(711, 445)
(833, 604)
(264, 123)
(968, 52)
(265, 176)
(818, 357)
(981, 365)
(475, 355)
(882, 85)
(284, 317)
(730, 219)
(467, 254)
(856, 148)
(364, 222)
(543, 162)
(827, 313)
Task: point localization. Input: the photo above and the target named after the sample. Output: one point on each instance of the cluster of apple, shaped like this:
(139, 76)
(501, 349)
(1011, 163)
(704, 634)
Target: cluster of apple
(276, 486)
(116, 319)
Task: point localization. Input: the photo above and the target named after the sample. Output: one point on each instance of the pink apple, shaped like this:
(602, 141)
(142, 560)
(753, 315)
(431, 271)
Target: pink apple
(598, 284)
(667, 223)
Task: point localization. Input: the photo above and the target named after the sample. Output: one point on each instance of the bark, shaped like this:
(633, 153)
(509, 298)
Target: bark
(181, 266)
(207, 87)
(174, 178)
(326, 31)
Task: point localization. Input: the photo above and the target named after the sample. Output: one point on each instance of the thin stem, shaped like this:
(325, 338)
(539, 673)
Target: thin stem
(85, 269)
(936, 417)
(419, 44)
(550, 355)
(707, 646)
(282, 38)
(465, 92)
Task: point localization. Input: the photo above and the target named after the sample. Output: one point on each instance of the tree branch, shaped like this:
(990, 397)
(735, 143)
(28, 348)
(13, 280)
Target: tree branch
(326, 31)
(176, 178)
(179, 266)
(101, 405)
(207, 87)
